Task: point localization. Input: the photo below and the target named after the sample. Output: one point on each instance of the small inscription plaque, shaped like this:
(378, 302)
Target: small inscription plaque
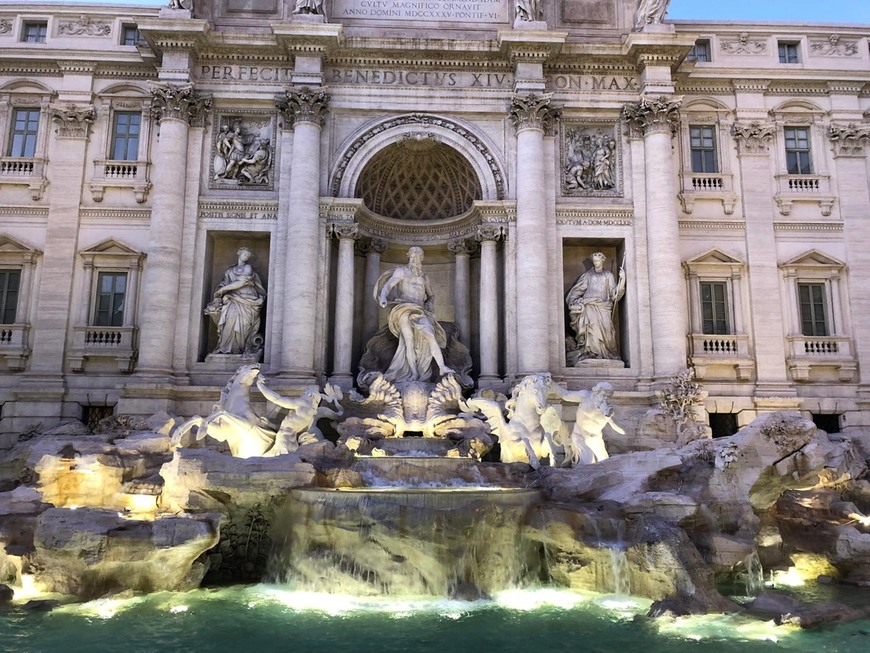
(439, 11)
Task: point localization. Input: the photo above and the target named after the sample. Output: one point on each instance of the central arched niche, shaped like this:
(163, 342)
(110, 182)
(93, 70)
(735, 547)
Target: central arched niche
(418, 178)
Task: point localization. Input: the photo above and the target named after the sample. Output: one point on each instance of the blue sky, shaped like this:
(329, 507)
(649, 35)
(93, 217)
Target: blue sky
(805, 11)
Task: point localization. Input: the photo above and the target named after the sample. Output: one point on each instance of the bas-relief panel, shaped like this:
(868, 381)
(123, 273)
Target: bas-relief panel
(591, 160)
(242, 154)
(470, 13)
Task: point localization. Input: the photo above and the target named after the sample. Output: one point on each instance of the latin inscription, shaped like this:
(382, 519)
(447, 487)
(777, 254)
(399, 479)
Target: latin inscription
(451, 11)
(419, 78)
(237, 215)
(593, 83)
(235, 73)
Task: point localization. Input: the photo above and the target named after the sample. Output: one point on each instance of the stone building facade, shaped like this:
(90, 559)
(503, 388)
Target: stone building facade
(723, 166)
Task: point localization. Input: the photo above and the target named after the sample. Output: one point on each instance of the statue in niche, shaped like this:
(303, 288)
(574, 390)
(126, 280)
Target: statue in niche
(650, 12)
(592, 302)
(241, 157)
(309, 7)
(413, 346)
(235, 308)
(529, 10)
(585, 445)
(590, 161)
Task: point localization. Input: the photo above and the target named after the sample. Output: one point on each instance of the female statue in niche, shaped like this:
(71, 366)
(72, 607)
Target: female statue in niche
(591, 304)
(236, 308)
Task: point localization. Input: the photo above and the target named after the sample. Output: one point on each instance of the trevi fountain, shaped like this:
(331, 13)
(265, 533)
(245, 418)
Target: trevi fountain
(413, 508)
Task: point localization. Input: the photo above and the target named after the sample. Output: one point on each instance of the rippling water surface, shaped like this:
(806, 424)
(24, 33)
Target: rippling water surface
(267, 618)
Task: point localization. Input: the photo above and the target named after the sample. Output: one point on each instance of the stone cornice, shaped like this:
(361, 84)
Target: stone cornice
(615, 216)
(530, 46)
(712, 225)
(164, 34)
(310, 39)
(115, 214)
(652, 49)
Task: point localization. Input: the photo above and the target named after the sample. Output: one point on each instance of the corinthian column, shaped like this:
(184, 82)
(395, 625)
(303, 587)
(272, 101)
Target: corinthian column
(174, 106)
(531, 114)
(489, 343)
(304, 108)
(343, 336)
(656, 117)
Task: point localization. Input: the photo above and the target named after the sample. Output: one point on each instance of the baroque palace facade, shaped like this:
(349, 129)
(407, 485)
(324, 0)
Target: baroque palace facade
(152, 156)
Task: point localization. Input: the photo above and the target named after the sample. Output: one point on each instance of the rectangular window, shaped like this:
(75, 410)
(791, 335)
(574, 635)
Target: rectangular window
(111, 290)
(25, 125)
(797, 151)
(789, 52)
(130, 35)
(35, 32)
(714, 308)
(125, 136)
(9, 283)
(814, 314)
(703, 144)
(700, 52)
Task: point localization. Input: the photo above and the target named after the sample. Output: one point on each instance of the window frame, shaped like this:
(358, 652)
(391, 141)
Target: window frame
(116, 137)
(708, 55)
(6, 273)
(27, 24)
(798, 151)
(127, 27)
(787, 47)
(13, 122)
(701, 149)
(811, 322)
(715, 318)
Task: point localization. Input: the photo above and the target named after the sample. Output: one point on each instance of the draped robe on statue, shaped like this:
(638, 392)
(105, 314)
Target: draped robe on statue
(590, 305)
(239, 319)
(413, 360)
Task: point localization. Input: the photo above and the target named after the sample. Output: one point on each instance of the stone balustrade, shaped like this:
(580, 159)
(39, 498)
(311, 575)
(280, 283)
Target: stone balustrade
(117, 343)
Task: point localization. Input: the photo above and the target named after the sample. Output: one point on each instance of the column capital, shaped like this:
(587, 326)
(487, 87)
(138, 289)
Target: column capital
(849, 140)
(345, 230)
(371, 245)
(490, 232)
(653, 114)
(178, 101)
(753, 138)
(460, 246)
(303, 104)
(72, 120)
(533, 111)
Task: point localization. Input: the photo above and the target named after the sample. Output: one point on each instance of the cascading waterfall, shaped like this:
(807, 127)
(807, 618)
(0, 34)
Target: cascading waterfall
(620, 569)
(456, 542)
(752, 576)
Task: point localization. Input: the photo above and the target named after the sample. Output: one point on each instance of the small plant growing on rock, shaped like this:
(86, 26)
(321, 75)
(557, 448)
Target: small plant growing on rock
(679, 400)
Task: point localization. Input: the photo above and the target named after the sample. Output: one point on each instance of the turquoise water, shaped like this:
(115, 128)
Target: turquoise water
(267, 618)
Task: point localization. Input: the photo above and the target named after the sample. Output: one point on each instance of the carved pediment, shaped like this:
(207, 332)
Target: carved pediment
(113, 252)
(714, 261)
(814, 259)
(14, 252)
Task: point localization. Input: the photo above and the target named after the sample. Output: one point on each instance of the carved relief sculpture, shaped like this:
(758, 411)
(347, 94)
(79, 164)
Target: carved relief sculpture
(242, 154)
(529, 10)
(592, 302)
(84, 26)
(834, 46)
(849, 140)
(181, 4)
(413, 346)
(5, 26)
(236, 308)
(590, 165)
(650, 12)
(744, 46)
(72, 120)
(178, 101)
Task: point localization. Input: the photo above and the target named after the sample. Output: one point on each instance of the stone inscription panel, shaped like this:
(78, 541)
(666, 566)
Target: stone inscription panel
(438, 11)
(391, 77)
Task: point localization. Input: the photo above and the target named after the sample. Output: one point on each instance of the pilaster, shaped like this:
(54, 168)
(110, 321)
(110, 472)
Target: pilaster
(347, 234)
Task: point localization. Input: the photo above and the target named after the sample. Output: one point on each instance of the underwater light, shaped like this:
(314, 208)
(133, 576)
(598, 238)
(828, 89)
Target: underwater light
(791, 577)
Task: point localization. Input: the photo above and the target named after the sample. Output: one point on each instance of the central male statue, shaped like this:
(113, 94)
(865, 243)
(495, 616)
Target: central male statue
(412, 320)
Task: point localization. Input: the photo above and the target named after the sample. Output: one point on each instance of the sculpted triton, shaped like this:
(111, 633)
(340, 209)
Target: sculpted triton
(591, 303)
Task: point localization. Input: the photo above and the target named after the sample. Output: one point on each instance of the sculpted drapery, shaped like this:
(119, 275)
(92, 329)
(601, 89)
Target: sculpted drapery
(591, 301)
(236, 307)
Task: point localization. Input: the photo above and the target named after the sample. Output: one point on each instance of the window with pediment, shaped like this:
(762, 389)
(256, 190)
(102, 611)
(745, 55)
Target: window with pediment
(706, 163)
(17, 267)
(24, 126)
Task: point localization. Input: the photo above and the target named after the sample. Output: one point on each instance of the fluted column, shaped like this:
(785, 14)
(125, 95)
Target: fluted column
(343, 336)
(372, 248)
(531, 114)
(304, 108)
(462, 249)
(174, 105)
(656, 117)
(67, 155)
(488, 235)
